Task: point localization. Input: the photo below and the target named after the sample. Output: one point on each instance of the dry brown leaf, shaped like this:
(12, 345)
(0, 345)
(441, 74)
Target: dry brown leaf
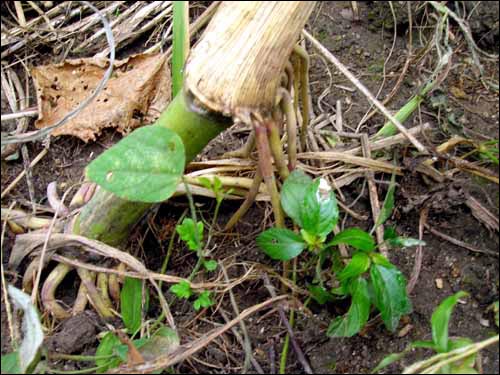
(137, 92)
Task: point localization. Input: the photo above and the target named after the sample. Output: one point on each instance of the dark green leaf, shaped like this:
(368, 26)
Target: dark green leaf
(107, 347)
(203, 301)
(357, 316)
(404, 242)
(441, 318)
(145, 166)
(356, 238)
(293, 193)
(131, 303)
(388, 206)
(210, 265)
(10, 363)
(389, 286)
(182, 289)
(281, 244)
(319, 212)
(389, 233)
(319, 294)
(188, 235)
(359, 264)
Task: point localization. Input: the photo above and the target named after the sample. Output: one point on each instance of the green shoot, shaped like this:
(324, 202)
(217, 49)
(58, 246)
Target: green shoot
(180, 44)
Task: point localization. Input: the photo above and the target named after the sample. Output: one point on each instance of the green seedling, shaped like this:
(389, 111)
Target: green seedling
(369, 279)
(448, 359)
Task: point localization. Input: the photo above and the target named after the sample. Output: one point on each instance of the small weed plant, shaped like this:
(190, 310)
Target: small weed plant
(369, 279)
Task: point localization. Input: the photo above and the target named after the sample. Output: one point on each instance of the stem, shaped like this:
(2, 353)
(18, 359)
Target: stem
(249, 199)
(108, 218)
(180, 43)
(267, 173)
(276, 149)
(49, 289)
(285, 100)
(286, 344)
(304, 94)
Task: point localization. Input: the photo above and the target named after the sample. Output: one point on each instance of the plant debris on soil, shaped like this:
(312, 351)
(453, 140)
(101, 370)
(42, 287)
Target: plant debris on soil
(460, 231)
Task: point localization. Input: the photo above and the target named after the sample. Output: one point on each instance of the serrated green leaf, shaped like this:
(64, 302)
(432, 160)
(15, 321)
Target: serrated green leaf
(182, 289)
(131, 303)
(203, 301)
(107, 347)
(388, 206)
(293, 193)
(281, 244)
(319, 294)
(391, 299)
(357, 316)
(354, 237)
(145, 166)
(188, 235)
(319, 213)
(28, 351)
(210, 265)
(10, 363)
(358, 265)
(440, 320)
(405, 242)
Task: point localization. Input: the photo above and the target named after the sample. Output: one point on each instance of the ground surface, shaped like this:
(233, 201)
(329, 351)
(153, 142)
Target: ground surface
(363, 48)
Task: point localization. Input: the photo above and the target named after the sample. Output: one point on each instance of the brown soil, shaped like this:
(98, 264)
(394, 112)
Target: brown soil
(363, 49)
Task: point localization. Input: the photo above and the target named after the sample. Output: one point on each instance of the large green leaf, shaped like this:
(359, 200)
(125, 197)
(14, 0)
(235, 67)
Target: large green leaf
(131, 303)
(357, 316)
(293, 193)
(354, 237)
(281, 244)
(441, 318)
(359, 264)
(145, 166)
(391, 299)
(320, 212)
